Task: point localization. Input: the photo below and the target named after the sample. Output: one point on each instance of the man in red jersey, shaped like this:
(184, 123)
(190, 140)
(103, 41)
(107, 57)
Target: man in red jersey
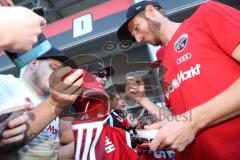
(202, 57)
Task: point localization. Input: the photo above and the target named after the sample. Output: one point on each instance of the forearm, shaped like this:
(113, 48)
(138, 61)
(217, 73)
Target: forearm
(40, 117)
(66, 132)
(66, 151)
(153, 108)
(221, 108)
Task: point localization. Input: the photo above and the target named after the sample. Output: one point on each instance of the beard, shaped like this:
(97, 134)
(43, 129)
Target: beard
(154, 29)
(39, 82)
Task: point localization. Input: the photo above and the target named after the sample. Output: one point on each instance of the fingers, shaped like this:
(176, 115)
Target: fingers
(66, 86)
(132, 82)
(6, 2)
(13, 139)
(180, 148)
(134, 85)
(69, 80)
(173, 136)
(76, 94)
(159, 140)
(13, 132)
(140, 81)
(39, 19)
(29, 107)
(43, 22)
(72, 82)
(131, 88)
(177, 147)
(10, 3)
(156, 142)
(135, 80)
(157, 125)
(165, 144)
(18, 121)
(75, 86)
(57, 76)
(16, 131)
(3, 3)
(25, 35)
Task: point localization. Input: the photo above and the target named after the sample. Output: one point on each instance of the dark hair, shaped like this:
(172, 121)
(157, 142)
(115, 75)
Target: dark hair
(114, 89)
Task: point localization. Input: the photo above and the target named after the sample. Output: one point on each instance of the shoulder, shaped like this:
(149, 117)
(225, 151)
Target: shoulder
(211, 5)
(8, 80)
(212, 8)
(213, 13)
(7, 88)
(6, 77)
(8, 84)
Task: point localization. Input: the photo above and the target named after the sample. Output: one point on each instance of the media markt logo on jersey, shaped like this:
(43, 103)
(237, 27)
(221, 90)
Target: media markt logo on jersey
(181, 43)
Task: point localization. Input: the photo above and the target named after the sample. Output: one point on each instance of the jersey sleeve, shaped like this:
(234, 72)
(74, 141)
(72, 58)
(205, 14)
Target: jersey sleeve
(222, 22)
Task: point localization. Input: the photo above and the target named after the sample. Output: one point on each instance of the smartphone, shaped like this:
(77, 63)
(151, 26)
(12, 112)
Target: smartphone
(39, 11)
(21, 59)
(9, 114)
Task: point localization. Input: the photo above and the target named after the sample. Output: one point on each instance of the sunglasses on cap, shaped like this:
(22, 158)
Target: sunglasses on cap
(100, 74)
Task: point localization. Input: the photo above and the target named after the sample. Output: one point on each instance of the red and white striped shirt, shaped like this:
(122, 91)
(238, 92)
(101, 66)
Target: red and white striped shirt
(97, 141)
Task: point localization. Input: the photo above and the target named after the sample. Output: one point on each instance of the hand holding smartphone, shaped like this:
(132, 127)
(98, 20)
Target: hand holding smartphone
(11, 113)
(21, 59)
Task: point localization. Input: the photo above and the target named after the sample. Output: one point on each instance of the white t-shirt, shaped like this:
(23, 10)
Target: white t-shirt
(15, 91)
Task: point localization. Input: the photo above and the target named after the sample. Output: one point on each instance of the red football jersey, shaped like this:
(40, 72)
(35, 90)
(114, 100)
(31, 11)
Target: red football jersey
(199, 67)
(98, 141)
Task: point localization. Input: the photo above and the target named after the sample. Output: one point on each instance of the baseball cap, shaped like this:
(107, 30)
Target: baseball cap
(58, 55)
(123, 32)
(98, 66)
